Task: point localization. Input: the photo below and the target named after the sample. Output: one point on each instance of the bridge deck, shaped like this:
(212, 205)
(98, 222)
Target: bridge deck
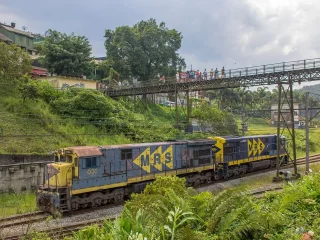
(296, 71)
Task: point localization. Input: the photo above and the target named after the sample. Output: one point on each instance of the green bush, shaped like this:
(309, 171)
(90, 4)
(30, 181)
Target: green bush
(167, 210)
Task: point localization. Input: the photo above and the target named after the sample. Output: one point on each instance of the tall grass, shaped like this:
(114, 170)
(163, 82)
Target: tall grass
(17, 203)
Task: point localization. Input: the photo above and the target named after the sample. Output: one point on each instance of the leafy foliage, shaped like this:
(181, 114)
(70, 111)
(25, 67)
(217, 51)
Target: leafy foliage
(314, 90)
(27, 88)
(66, 55)
(221, 122)
(144, 50)
(167, 210)
(75, 117)
(238, 100)
(14, 62)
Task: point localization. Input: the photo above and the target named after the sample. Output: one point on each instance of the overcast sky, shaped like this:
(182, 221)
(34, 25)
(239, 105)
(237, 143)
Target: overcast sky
(216, 33)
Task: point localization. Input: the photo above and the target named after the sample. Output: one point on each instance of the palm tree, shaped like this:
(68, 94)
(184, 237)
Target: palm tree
(262, 92)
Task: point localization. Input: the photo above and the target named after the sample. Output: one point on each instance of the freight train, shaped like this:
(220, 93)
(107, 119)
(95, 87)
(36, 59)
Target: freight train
(90, 176)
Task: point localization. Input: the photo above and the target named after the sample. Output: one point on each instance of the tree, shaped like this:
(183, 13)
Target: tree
(14, 62)
(144, 50)
(66, 55)
(220, 122)
(27, 88)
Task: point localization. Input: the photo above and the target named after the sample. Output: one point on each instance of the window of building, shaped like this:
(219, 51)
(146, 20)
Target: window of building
(126, 154)
(91, 162)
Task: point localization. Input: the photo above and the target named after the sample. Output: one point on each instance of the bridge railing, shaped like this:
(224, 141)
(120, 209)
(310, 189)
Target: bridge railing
(274, 68)
(241, 72)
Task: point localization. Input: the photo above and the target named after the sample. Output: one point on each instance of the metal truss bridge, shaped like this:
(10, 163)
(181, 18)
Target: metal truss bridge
(285, 73)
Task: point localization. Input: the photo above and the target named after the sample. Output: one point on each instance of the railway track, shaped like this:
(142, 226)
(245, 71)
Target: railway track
(22, 219)
(67, 230)
(312, 159)
(261, 193)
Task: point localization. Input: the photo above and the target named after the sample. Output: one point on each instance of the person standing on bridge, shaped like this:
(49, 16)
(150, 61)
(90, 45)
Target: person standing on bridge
(222, 72)
(197, 75)
(119, 84)
(178, 77)
(216, 73)
(187, 76)
(211, 74)
(205, 74)
(163, 79)
(192, 75)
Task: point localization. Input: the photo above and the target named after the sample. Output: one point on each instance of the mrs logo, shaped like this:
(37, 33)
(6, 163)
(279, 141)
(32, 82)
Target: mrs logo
(159, 159)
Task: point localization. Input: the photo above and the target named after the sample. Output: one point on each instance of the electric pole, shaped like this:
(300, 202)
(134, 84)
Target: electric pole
(243, 115)
(277, 178)
(307, 132)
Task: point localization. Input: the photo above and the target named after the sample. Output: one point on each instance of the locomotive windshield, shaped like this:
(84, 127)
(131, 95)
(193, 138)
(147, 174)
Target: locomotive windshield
(68, 158)
(63, 156)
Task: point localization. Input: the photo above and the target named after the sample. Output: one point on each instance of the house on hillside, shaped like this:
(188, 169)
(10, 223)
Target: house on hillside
(5, 39)
(286, 115)
(99, 59)
(10, 35)
(62, 83)
(19, 37)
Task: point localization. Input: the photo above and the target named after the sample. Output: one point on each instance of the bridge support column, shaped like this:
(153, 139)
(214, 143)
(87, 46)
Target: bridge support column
(188, 107)
(286, 96)
(176, 103)
(292, 127)
(278, 178)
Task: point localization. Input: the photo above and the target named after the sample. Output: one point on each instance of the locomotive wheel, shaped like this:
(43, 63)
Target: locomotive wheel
(97, 201)
(209, 179)
(197, 182)
(75, 206)
(118, 198)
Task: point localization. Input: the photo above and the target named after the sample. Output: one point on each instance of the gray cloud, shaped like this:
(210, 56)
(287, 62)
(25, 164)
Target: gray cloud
(230, 33)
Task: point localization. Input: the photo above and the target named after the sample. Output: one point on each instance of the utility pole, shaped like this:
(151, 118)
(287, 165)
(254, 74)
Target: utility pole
(176, 103)
(243, 115)
(307, 132)
(292, 127)
(188, 106)
(277, 178)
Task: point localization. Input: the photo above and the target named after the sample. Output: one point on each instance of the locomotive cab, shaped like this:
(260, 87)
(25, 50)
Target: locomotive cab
(57, 182)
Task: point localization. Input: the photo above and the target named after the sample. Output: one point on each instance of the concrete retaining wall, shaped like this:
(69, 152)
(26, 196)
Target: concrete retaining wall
(6, 159)
(22, 172)
(21, 177)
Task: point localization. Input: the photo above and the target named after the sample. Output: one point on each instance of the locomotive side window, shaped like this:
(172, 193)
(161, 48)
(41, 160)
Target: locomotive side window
(201, 153)
(91, 162)
(203, 156)
(126, 154)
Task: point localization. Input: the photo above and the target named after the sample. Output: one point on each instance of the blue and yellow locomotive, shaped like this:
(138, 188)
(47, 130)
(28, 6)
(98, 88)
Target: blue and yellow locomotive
(87, 176)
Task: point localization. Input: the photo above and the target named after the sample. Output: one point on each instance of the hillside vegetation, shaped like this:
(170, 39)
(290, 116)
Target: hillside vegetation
(48, 119)
(37, 118)
(313, 89)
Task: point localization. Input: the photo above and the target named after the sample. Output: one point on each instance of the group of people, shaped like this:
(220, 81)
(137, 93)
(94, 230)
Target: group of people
(182, 77)
(197, 75)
